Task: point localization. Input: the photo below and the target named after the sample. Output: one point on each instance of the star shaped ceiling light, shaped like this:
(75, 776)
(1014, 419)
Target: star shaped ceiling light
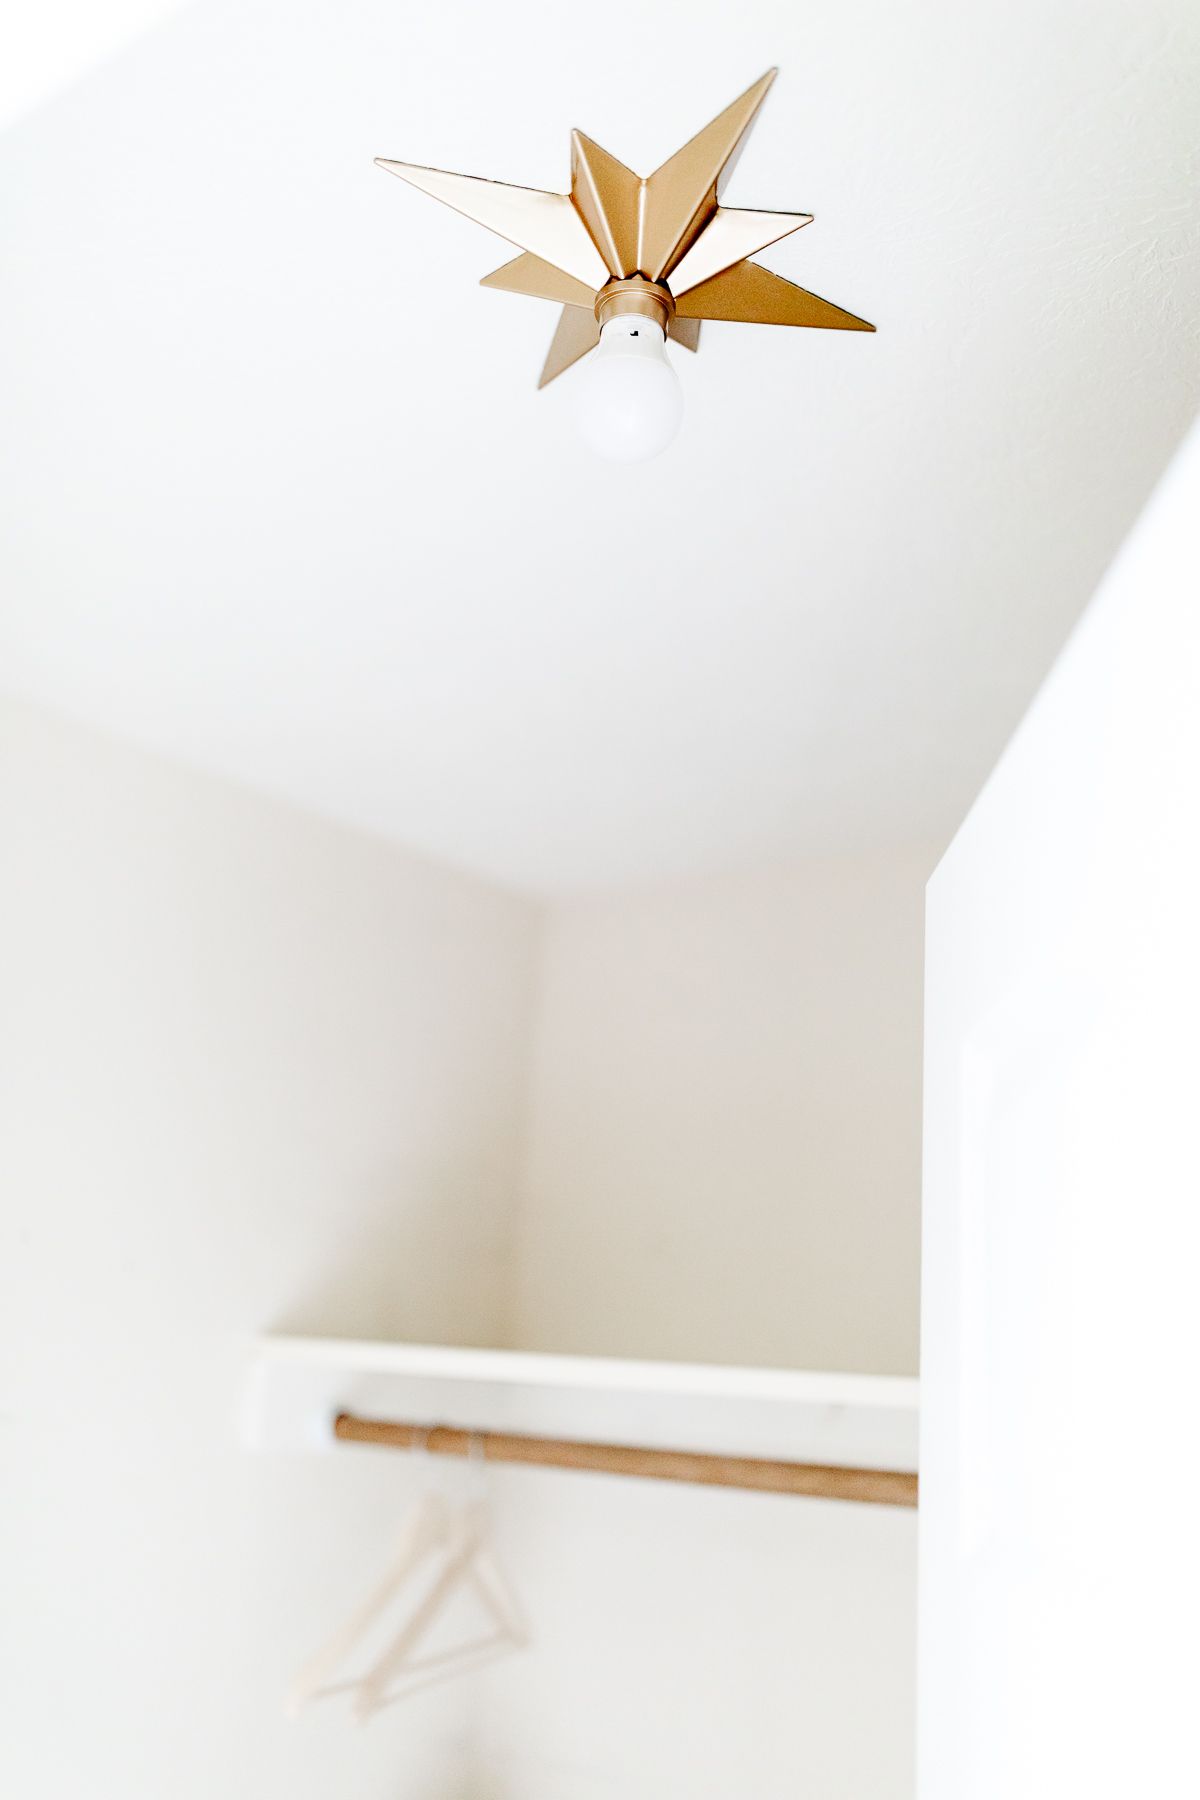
(633, 260)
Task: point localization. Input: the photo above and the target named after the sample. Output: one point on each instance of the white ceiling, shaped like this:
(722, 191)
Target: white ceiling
(281, 497)
(50, 45)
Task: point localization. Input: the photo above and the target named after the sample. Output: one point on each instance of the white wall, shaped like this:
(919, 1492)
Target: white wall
(724, 1145)
(1060, 1573)
(702, 1642)
(723, 1163)
(258, 1072)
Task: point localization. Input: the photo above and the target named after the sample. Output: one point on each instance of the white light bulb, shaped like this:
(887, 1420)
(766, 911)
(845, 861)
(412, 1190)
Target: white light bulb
(630, 400)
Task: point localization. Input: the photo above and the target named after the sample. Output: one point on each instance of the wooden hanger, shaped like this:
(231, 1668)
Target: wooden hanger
(470, 1558)
(424, 1530)
(432, 1527)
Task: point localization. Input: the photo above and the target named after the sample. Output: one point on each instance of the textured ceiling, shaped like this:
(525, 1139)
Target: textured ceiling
(280, 496)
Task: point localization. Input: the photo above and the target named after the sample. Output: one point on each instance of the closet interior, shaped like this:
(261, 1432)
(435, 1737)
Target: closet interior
(700, 1343)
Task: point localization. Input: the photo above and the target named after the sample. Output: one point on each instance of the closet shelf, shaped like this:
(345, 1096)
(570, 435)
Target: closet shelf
(300, 1386)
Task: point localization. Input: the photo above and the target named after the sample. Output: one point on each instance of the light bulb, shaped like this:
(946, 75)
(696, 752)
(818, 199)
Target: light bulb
(630, 400)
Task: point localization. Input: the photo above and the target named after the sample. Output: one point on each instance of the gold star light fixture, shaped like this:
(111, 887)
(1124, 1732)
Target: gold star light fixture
(634, 260)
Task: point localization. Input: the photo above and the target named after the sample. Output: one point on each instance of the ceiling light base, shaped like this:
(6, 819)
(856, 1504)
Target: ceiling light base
(634, 294)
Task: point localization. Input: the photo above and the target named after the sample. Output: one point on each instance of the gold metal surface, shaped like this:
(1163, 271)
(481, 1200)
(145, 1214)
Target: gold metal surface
(661, 244)
(577, 333)
(733, 234)
(547, 224)
(647, 299)
(608, 198)
(751, 294)
(685, 332)
(527, 274)
(681, 196)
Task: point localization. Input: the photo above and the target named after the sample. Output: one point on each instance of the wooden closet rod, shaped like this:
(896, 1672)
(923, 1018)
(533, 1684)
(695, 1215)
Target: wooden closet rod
(877, 1487)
